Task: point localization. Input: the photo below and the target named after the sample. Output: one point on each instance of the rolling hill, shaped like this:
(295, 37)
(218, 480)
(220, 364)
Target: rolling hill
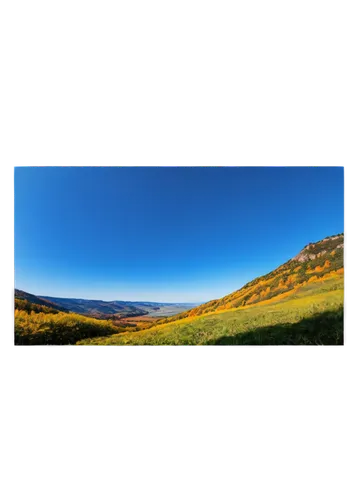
(97, 308)
(41, 301)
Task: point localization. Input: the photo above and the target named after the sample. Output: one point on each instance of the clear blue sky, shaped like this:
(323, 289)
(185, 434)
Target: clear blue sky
(165, 234)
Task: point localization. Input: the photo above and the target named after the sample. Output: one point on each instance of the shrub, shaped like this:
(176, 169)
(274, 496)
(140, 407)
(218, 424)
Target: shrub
(61, 328)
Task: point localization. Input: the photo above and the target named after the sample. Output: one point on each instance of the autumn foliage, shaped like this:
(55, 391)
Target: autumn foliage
(57, 328)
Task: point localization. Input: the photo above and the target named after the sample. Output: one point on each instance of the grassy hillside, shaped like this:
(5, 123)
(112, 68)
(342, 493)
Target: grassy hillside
(311, 315)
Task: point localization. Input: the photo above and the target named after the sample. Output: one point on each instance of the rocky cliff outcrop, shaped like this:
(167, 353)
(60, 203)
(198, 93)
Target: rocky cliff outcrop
(307, 253)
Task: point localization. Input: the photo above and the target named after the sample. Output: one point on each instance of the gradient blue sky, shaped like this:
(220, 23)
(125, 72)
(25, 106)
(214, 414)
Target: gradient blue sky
(165, 234)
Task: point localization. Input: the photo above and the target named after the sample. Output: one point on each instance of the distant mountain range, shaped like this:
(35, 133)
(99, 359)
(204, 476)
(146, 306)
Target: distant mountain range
(106, 309)
(97, 308)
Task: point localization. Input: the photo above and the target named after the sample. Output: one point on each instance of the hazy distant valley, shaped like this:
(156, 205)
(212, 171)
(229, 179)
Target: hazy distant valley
(116, 309)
